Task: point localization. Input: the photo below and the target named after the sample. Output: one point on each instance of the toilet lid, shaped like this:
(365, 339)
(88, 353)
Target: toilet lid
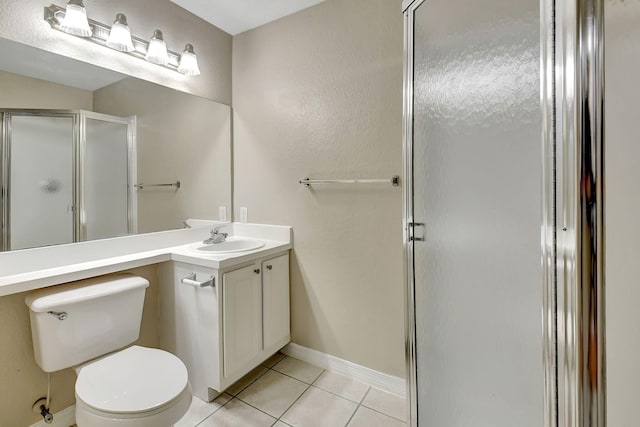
(136, 379)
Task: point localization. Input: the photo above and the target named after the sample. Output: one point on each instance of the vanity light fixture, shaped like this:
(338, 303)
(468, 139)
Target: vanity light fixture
(157, 51)
(120, 35)
(74, 21)
(189, 62)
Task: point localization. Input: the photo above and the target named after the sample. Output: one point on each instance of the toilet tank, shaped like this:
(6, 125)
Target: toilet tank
(76, 322)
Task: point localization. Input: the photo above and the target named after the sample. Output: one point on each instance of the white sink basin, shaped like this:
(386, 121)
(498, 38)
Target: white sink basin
(232, 244)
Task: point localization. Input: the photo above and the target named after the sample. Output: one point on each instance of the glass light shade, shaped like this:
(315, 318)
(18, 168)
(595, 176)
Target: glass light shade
(189, 62)
(157, 50)
(120, 35)
(75, 20)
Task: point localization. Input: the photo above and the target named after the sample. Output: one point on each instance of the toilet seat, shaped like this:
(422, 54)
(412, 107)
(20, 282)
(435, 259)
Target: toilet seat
(135, 381)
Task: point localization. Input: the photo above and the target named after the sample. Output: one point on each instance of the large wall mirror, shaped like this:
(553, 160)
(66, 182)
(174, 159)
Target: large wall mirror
(89, 153)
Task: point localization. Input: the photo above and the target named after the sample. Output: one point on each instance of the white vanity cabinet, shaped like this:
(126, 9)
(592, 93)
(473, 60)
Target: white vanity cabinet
(255, 314)
(222, 332)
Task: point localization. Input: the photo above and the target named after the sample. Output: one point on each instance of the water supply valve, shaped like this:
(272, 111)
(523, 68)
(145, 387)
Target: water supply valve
(40, 407)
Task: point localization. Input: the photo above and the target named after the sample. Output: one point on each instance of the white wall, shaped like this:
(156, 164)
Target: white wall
(319, 94)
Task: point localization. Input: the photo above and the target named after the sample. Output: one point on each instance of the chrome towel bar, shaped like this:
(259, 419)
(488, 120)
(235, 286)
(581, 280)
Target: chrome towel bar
(173, 184)
(394, 180)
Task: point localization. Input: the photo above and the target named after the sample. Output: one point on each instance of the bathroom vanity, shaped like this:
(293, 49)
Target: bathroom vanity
(223, 322)
(221, 312)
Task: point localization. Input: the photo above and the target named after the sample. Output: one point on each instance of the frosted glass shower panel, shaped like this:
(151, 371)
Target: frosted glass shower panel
(41, 192)
(106, 179)
(476, 188)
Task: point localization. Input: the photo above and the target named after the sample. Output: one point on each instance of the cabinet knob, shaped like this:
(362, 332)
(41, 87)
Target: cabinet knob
(269, 267)
(257, 271)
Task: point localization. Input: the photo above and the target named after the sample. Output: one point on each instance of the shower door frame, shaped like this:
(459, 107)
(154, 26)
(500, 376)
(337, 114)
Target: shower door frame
(78, 136)
(572, 219)
(579, 209)
(132, 161)
(408, 8)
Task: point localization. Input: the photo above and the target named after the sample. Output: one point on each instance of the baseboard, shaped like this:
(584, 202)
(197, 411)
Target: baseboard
(64, 418)
(388, 383)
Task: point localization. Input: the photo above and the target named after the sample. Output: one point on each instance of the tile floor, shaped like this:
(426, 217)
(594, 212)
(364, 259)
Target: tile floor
(284, 391)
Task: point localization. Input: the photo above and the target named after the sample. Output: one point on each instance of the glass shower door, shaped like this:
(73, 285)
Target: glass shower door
(474, 212)
(107, 191)
(41, 192)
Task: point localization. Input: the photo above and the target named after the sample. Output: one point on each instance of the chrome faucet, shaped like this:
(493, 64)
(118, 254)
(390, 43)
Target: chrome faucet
(216, 236)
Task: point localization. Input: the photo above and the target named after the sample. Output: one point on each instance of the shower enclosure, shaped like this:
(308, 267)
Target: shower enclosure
(504, 212)
(67, 176)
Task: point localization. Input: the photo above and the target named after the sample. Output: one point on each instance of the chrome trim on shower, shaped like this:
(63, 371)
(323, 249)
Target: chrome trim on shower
(79, 213)
(409, 8)
(4, 181)
(549, 224)
(580, 201)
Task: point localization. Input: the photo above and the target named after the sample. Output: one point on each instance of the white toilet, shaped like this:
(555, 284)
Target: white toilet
(81, 325)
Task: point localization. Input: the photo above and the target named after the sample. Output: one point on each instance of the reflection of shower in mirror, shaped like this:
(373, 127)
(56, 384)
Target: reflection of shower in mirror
(71, 176)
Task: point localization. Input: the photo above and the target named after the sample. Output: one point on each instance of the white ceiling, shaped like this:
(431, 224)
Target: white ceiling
(237, 16)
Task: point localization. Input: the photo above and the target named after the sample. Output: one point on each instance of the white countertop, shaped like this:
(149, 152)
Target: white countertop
(36, 268)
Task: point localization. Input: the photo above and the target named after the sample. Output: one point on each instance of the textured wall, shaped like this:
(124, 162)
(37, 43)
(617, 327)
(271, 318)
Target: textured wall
(319, 94)
(22, 21)
(196, 151)
(23, 382)
(622, 151)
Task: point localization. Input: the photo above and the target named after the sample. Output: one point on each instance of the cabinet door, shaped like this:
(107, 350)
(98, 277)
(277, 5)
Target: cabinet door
(275, 290)
(242, 319)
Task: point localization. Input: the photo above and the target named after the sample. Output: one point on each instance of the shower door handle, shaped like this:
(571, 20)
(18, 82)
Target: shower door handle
(412, 232)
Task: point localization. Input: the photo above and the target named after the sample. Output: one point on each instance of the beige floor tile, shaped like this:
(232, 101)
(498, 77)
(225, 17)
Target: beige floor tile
(366, 417)
(298, 369)
(273, 360)
(238, 414)
(386, 403)
(199, 410)
(273, 393)
(342, 386)
(318, 408)
(281, 424)
(244, 382)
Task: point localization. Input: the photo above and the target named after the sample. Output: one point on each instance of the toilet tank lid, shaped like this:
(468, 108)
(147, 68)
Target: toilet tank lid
(71, 293)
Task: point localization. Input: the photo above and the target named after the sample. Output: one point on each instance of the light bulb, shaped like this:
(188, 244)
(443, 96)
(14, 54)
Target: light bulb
(157, 51)
(75, 20)
(120, 35)
(189, 62)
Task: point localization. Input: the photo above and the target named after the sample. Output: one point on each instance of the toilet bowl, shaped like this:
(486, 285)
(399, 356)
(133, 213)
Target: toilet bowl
(135, 387)
(86, 325)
